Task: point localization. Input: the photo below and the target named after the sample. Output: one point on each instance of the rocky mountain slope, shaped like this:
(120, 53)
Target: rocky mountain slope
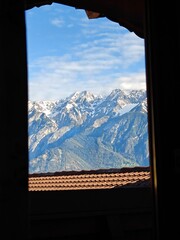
(87, 132)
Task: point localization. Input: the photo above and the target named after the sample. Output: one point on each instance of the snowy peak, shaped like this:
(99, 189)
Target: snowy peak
(81, 97)
(45, 107)
(136, 96)
(86, 132)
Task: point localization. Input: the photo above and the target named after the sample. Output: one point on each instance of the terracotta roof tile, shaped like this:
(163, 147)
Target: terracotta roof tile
(100, 179)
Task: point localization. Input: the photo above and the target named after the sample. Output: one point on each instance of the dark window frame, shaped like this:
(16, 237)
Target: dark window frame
(69, 173)
(17, 150)
(99, 204)
(162, 67)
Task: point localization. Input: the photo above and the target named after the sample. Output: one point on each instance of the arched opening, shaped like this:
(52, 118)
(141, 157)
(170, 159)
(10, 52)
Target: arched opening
(162, 70)
(87, 95)
(101, 70)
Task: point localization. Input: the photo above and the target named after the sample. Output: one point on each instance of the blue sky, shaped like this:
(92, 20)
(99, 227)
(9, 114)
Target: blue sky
(68, 52)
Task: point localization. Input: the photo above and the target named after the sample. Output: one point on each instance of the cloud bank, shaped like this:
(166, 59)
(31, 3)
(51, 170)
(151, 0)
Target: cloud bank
(94, 55)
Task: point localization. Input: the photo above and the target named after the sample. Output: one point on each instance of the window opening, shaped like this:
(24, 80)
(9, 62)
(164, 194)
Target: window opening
(87, 100)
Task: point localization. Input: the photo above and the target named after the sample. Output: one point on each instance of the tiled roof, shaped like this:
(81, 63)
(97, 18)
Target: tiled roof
(100, 179)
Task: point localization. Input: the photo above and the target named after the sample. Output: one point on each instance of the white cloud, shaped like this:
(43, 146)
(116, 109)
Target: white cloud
(59, 77)
(97, 68)
(57, 22)
(102, 57)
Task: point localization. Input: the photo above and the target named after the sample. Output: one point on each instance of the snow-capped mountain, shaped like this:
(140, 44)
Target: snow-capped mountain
(87, 132)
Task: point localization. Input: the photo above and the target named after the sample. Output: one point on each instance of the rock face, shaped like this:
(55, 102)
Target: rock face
(88, 132)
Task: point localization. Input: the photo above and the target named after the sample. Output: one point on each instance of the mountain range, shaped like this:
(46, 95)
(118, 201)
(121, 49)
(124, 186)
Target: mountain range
(88, 132)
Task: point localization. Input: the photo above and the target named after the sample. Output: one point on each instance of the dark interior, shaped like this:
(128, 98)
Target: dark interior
(132, 213)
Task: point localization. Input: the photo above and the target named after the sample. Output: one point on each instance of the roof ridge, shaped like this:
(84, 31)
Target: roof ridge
(98, 171)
